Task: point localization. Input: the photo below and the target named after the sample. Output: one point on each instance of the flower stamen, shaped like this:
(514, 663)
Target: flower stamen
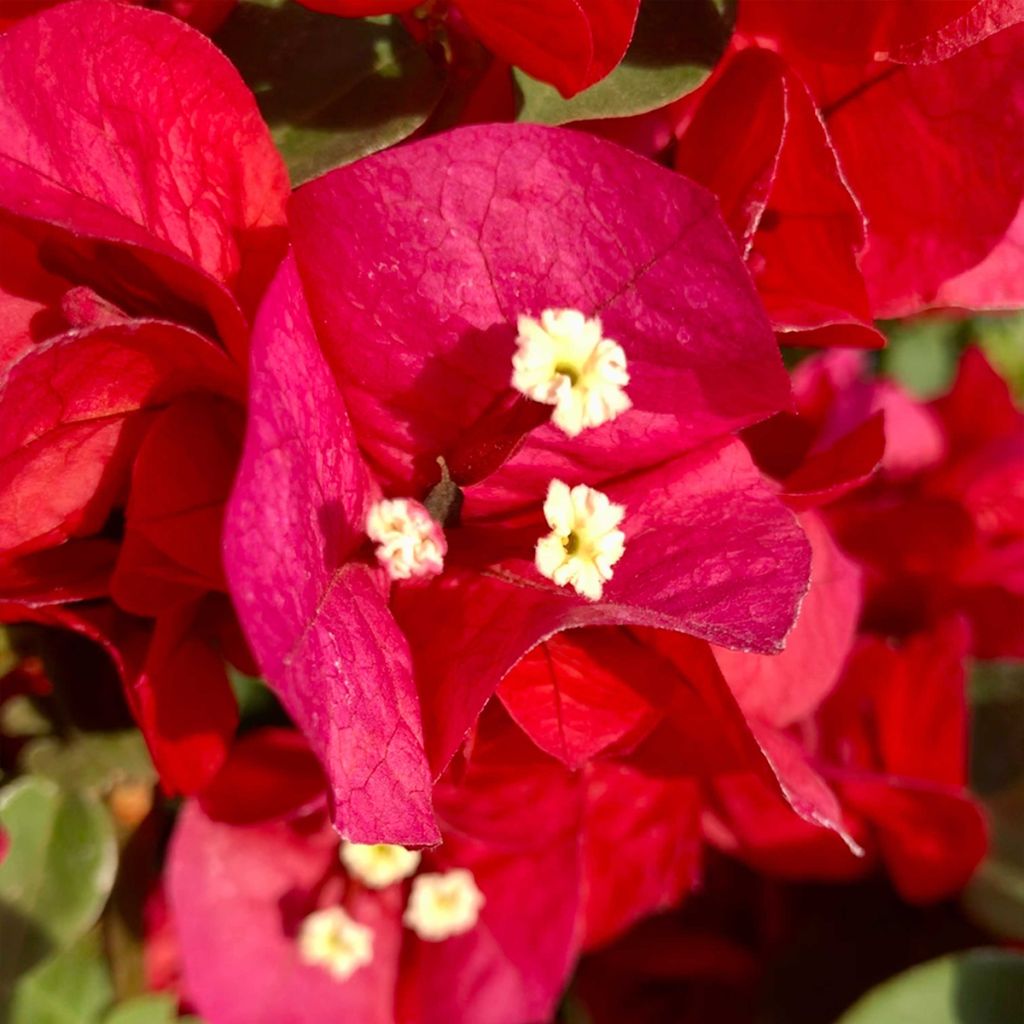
(585, 541)
(410, 544)
(563, 360)
(331, 939)
(378, 865)
(443, 904)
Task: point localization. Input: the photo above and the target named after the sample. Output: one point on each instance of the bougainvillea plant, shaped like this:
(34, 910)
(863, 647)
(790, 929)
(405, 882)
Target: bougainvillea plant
(511, 511)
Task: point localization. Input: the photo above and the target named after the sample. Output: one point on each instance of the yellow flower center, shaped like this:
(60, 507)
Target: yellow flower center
(563, 360)
(585, 541)
(331, 939)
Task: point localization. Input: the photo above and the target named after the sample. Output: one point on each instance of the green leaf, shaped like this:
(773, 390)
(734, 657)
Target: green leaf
(995, 896)
(1002, 339)
(331, 89)
(95, 761)
(71, 987)
(8, 653)
(57, 873)
(997, 726)
(19, 716)
(922, 354)
(674, 48)
(982, 986)
(152, 1009)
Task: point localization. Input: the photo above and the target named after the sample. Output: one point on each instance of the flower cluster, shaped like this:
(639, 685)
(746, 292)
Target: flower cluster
(473, 564)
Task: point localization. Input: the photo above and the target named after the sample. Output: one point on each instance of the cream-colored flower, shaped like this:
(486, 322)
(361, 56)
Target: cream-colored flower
(443, 905)
(331, 939)
(563, 360)
(409, 542)
(585, 540)
(378, 865)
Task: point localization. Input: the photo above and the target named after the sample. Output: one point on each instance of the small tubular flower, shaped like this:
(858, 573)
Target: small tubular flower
(443, 904)
(410, 544)
(563, 360)
(378, 865)
(331, 939)
(585, 540)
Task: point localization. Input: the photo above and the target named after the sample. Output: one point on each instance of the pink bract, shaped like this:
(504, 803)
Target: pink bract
(415, 264)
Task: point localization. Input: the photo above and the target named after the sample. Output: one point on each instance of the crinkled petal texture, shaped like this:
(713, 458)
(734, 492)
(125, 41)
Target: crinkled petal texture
(784, 197)
(954, 128)
(146, 156)
(417, 263)
(316, 619)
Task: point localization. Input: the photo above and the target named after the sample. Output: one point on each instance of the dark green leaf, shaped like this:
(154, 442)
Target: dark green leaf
(151, 1009)
(997, 726)
(95, 761)
(57, 873)
(332, 89)
(922, 354)
(1002, 339)
(20, 717)
(675, 46)
(995, 896)
(983, 986)
(71, 987)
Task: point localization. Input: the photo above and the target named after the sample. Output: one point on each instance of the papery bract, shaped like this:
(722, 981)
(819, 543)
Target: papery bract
(510, 815)
(940, 531)
(188, 219)
(570, 43)
(891, 740)
(874, 28)
(789, 686)
(420, 350)
(318, 622)
(785, 198)
(952, 128)
(145, 213)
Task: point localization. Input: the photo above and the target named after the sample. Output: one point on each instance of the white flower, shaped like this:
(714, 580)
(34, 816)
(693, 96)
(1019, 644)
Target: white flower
(331, 939)
(409, 542)
(562, 360)
(378, 865)
(443, 905)
(585, 540)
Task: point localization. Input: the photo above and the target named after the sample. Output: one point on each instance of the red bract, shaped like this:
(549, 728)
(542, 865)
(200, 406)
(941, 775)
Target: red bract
(784, 197)
(205, 15)
(904, 30)
(941, 533)
(570, 43)
(659, 702)
(952, 128)
(143, 202)
(891, 739)
(416, 264)
(509, 815)
(937, 527)
(921, 101)
(789, 686)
